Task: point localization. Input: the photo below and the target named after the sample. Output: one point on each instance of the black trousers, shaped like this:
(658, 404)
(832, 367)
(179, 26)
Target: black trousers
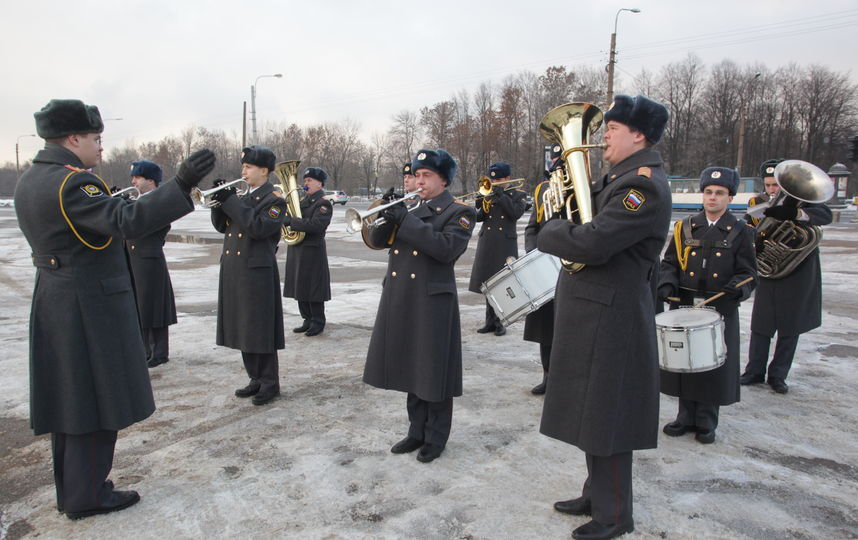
(430, 420)
(702, 415)
(157, 342)
(491, 317)
(758, 355)
(545, 356)
(314, 312)
(263, 369)
(609, 487)
(81, 465)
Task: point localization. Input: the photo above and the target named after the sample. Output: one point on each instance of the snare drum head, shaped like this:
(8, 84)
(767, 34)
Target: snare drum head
(687, 318)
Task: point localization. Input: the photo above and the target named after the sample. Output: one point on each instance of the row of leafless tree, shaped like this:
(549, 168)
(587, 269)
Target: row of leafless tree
(792, 112)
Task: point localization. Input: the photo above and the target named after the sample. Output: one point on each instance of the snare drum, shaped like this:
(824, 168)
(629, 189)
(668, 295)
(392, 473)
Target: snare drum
(690, 340)
(522, 286)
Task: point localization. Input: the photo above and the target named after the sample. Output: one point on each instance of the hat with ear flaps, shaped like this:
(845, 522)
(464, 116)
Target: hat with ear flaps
(639, 113)
(439, 161)
(720, 176)
(61, 117)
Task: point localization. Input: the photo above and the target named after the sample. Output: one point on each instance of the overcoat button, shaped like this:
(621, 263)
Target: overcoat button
(693, 253)
(229, 234)
(691, 274)
(413, 276)
(393, 273)
(714, 275)
(227, 252)
(717, 253)
(396, 252)
(239, 235)
(238, 253)
(414, 252)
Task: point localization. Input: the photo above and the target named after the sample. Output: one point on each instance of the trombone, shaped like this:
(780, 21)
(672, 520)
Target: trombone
(204, 198)
(485, 187)
(355, 221)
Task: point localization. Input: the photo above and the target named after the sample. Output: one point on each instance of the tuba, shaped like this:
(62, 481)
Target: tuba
(783, 245)
(571, 126)
(287, 172)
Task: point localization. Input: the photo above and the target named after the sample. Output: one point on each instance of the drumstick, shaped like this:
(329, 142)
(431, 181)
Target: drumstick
(673, 299)
(720, 294)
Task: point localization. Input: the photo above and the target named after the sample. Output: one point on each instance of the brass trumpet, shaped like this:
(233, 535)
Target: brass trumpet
(204, 198)
(485, 187)
(133, 193)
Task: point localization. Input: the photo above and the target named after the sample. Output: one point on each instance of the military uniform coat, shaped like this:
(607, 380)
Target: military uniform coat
(539, 325)
(308, 278)
(723, 254)
(87, 362)
(498, 239)
(249, 306)
(602, 393)
(792, 305)
(156, 304)
(416, 343)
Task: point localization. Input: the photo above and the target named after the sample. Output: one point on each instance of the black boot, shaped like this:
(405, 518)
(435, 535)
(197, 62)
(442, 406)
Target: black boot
(303, 328)
(539, 389)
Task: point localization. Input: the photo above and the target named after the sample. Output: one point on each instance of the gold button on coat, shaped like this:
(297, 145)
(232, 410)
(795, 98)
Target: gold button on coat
(717, 253)
(413, 276)
(396, 252)
(227, 252)
(714, 275)
(414, 252)
(693, 253)
(393, 273)
(691, 274)
(238, 253)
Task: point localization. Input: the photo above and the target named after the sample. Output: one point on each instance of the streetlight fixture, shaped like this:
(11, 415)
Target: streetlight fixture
(613, 57)
(253, 101)
(743, 114)
(17, 162)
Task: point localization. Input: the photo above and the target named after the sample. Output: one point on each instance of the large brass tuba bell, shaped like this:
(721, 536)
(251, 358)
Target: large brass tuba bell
(571, 126)
(287, 172)
(783, 245)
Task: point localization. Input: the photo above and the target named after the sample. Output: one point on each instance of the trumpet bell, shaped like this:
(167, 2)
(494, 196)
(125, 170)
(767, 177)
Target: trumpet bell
(354, 221)
(204, 198)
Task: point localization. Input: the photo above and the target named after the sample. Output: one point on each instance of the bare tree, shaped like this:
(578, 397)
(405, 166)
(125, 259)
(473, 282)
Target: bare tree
(404, 134)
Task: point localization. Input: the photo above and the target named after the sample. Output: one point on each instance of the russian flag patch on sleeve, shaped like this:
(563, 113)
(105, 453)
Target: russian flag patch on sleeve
(634, 200)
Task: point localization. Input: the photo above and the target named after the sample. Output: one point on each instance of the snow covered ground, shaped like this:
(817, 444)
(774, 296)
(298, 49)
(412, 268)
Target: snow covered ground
(316, 462)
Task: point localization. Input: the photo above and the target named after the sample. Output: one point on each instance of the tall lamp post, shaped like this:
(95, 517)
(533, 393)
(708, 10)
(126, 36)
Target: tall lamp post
(740, 152)
(613, 57)
(253, 102)
(17, 162)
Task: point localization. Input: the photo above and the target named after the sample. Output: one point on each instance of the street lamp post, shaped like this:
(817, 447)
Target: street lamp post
(740, 152)
(613, 57)
(17, 162)
(253, 102)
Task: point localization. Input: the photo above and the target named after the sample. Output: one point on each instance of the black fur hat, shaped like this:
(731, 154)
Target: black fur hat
(720, 176)
(260, 156)
(406, 169)
(768, 167)
(499, 170)
(61, 117)
(148, 170)
(316, 173)
(639, 113)
(438, 161)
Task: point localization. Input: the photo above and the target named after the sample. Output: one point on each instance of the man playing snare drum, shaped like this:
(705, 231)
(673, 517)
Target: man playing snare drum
(711, 252)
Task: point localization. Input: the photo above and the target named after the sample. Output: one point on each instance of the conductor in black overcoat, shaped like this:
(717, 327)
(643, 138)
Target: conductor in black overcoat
(416, 343)
(711, 252)
(88, 375)
(602, 393)
(249, 306)
(156, 304)
(307, 276)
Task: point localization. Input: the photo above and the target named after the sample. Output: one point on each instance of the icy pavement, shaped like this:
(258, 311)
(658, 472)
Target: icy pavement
(316, 463)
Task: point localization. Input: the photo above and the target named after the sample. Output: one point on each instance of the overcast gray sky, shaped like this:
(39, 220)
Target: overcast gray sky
(164, 65)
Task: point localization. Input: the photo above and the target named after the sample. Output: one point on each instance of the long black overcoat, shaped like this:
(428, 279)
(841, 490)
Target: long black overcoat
(602, 393)
(249, 305)
(498, 239)
(156, 304)
(307, 276)
(416, 343)
(725, 256)
(792, 305)
(539, 325)
(87, 362)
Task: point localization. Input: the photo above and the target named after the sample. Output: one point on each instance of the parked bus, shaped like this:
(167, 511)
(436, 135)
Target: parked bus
(688, 198)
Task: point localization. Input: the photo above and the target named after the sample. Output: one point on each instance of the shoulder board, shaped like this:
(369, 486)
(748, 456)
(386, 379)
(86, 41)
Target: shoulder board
(646, 172)
(73, 168)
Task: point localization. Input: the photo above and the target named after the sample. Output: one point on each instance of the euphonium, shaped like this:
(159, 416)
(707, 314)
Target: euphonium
(287, 172)
(783, 245)
(571, 126)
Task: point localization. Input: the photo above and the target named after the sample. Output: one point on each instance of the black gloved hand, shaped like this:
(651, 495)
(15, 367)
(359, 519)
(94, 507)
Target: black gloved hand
(497, 191)
(664, 291)
(731, 291)
(287, 220)
(389, 195)
(782, 212)
(114, 189)
(222, 195)
(218, 181)
(395, 214)
(195, 168)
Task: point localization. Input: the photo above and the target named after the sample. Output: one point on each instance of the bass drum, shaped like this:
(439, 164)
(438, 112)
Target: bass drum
(522, 286)
(690, 340)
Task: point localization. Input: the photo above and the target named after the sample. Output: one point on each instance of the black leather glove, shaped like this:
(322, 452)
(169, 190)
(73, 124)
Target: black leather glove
(389, 195)
(782, 212)
(395, 214)
(666, 290)
(218, 181)
(114, 189)
(497, 191)
(287, 220)
(224, 194)
(730, 291)
(195, 168)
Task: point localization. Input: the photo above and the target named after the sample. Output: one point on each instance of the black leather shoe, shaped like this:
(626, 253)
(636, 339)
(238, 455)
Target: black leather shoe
(314, 330)
(576, 507)
(157, 362)
(539, 389)
(593, 530)
(500, 330)
(489, 327)
(249, 390)
(117, 500)
(303, 328)
(429, 452)
(676, 429)
(261, 398)
(778, 385)
(705, 437)
(751, 378)
(406, 445)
